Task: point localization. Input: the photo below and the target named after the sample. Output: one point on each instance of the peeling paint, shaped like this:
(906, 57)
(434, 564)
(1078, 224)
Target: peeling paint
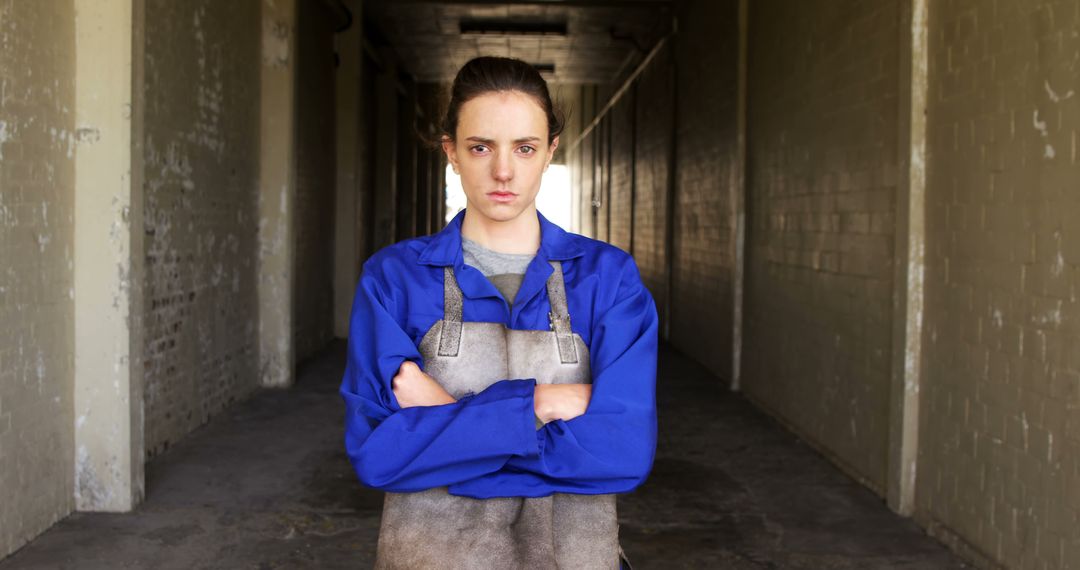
(1054, 96)
(1051, 317)
(87, 135)
(1058, 267)
(1024, 425)
(5, 136)
(276, 38)
(91, 493)
(1048, 149)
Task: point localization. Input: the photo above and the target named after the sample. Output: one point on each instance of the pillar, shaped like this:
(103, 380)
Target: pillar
(739, 199)
(277, 193)
(347, 202)
(910, 245)
(386, 149)
(109, 268)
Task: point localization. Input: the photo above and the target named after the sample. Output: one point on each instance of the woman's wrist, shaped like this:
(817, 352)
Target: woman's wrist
(541, 406)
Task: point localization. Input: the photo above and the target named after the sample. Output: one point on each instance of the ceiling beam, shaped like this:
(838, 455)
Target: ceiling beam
(569, 3)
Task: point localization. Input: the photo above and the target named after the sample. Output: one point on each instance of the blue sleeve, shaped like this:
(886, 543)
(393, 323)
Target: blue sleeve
(610, 448)
(416, 448)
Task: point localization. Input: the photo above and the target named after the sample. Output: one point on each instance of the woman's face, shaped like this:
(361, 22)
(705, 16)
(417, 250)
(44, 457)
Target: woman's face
(501, 152)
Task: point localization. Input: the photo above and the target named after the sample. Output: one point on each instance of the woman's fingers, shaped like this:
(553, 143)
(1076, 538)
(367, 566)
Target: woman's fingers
(413, 387)
(561, 401)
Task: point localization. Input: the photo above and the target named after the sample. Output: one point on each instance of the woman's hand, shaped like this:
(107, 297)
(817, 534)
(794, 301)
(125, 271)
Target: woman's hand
(413, 387)
(561, 401)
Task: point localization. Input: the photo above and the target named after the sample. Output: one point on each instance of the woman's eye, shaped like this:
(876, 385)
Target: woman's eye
(527, 149)
(479, 148)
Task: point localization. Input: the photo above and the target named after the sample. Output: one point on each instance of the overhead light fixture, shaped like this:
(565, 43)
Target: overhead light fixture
(513, 27)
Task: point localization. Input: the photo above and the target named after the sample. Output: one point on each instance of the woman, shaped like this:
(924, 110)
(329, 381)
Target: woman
(500, 427)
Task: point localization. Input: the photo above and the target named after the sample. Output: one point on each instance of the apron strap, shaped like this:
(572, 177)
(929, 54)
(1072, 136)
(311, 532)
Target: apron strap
(559, 317)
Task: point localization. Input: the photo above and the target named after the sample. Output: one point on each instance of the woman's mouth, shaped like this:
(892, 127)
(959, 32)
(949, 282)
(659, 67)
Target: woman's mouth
(501, 196)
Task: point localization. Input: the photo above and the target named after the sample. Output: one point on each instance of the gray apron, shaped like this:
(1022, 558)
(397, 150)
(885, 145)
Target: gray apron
(433, 529)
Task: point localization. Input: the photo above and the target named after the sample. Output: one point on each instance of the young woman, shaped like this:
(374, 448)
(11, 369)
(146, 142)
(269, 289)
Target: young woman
(500, 382)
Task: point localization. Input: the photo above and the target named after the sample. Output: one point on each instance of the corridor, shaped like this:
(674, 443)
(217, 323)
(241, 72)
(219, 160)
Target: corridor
(267, 485)
(858, 221)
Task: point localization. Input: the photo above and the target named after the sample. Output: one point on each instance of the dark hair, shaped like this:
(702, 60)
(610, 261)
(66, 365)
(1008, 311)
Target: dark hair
(488, 74)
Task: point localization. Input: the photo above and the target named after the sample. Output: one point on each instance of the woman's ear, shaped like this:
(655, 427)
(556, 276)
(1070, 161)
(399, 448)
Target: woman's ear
(448, 147)
(551, 151)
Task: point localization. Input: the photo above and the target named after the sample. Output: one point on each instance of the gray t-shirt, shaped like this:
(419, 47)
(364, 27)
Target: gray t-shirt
(504, 270)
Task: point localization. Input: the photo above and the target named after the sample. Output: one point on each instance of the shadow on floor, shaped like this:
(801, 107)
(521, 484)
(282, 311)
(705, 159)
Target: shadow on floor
(267, 485)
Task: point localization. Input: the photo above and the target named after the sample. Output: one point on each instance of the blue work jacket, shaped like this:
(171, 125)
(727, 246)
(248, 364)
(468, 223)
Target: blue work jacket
(487, 444)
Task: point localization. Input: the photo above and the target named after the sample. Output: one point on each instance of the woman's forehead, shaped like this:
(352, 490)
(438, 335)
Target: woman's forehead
(502, 114)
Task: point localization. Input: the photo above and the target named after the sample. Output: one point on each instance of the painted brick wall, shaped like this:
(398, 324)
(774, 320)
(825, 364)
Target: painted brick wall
(999, 463)
(706, 49)
(313, 324)
(652, 164)
(201, 160)
(37, 138)
(823, 110)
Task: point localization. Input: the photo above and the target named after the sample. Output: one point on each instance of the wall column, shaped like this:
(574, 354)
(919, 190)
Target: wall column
(277, 193)
(910, 244)
(739, 198)
(386, 158)
(109, 269)
(347, 202)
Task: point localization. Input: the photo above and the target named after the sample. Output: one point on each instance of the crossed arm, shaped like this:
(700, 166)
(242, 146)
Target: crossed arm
(414, 387)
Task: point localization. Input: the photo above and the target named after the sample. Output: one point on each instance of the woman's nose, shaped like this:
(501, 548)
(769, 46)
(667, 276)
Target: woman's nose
(502, 170)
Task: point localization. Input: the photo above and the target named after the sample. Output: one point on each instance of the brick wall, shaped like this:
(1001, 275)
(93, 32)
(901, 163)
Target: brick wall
(652, 164)
(822, 86)
(37, 138)
(201, 161)
(999, 463)
(315, 175)
(706, 52)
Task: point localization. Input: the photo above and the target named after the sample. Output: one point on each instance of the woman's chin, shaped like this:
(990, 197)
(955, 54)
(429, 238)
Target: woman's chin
(501, 212)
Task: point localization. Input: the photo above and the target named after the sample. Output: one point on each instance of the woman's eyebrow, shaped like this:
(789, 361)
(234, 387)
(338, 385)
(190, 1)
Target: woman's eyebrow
(492, 141)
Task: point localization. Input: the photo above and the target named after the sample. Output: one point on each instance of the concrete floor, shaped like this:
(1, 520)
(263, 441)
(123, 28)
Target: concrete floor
(267, 485)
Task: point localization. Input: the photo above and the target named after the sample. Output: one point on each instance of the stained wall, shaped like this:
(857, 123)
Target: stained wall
(315, 178)
(201, 191)
(999, 463)
(703, 242)
(37, 142)
(823, 108)
(653, 139)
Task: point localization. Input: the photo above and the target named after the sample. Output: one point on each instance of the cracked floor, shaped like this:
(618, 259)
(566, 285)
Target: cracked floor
(267, 485)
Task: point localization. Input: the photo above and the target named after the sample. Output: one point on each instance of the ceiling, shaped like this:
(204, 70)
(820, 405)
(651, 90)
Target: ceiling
(571, 42)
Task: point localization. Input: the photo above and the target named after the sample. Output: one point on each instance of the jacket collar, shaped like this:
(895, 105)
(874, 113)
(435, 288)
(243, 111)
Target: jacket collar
(445, 246)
